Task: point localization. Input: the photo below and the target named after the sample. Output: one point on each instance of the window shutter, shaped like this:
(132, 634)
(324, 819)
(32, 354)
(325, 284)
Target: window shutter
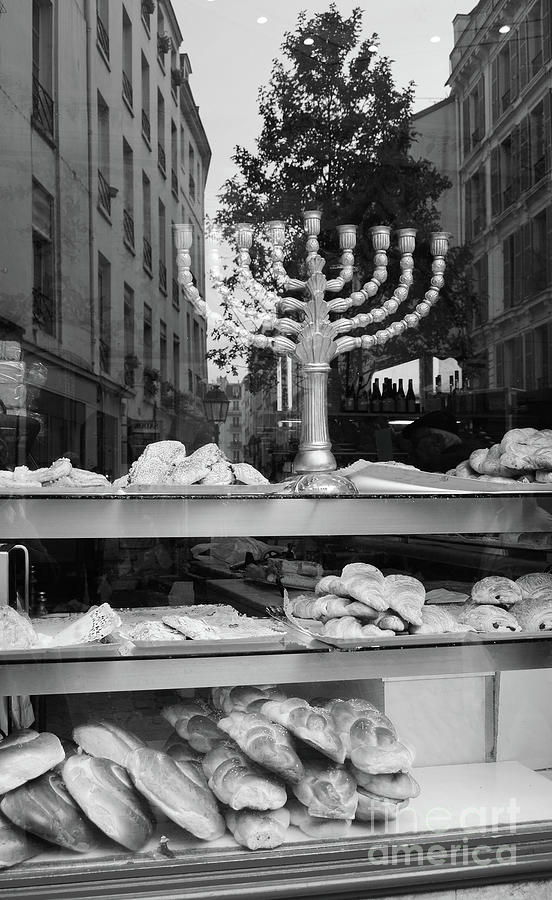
(494, 89)
(507, 260)
(496, 205)
(523, 65)
(466, 126)
(524, 155)
(499, 365)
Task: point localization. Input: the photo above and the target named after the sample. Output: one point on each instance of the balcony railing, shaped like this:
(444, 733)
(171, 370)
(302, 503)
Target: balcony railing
(104, 194)
(175, 294)
(127, 89)
(147, 255)
(128, 227)
(105, 355)
(161, 158)
(162, 276)
(102, 36)
(146, 127)
(43, 108)
(174, 183)
(43, 311)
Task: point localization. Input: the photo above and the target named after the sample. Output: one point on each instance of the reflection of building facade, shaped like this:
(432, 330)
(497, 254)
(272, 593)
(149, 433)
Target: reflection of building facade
(231, 434)
(502, 85)
(103, 149)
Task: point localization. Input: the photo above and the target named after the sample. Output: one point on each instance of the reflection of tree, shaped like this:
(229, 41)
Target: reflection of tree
(336, 135)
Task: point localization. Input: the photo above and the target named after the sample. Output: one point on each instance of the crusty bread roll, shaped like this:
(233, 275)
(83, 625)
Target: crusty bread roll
(327, 790)
(238, 783)
(496, 590)
(310, 724)
(258, 830)
(314, 826)
(395, 786)
(25, 755)
(106, 795)
(107, 740)
(365, 583)
(375, 809)
(161, 780)
(265, 742)
(15, 845)
(374, 749)
(44, 807)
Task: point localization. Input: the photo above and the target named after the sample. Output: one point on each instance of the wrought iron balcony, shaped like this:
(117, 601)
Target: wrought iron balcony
(43, 311)
(128, 227)
(102, 36)
(127, 89)
(162, 276)
(104, 194)
(174, 183)
(147, 255)
(161, 158)
(175, 294)
(146, 127)
(43, 108)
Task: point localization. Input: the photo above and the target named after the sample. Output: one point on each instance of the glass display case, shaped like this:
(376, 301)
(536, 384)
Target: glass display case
(465, 714)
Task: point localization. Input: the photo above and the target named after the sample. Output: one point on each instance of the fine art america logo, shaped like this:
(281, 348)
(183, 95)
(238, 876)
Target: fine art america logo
(468, 851)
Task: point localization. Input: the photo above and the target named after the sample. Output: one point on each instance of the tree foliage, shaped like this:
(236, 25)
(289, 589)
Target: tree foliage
(337, 135)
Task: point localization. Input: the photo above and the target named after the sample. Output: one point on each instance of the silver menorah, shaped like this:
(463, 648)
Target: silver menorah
(320, 332)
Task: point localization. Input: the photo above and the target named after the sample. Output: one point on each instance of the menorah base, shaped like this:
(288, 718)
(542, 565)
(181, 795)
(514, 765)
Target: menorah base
(310, 460)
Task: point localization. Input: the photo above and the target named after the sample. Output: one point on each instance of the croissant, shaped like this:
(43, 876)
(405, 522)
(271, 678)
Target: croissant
(349, 627)
(406, 596)
(375, 749)
(331, 584)
(377, 809)
(258, 830)
(265, 742)
(310, 724)
(395, 786)
(491, 462)
(535, 586)
(542, 477)
(344, 714)
(305, 607)
(390, 622)
(533, 615)
(314, 826)
(238, 783)
(327, 790)
(496, 590)
(366, 584)
(487, 618)
(439, 620)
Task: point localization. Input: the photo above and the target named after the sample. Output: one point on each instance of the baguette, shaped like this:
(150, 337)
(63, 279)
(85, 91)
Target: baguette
(160, 779)
(15, 845)
(107, 740)
(238, 783)
(328, 791)
(258, 830)
(26, 755)
(309, 723)
(265, 742)
(45, 808)
(106, 795)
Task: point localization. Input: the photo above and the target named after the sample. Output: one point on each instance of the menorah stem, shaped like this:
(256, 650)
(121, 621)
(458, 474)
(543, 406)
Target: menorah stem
(315, 453)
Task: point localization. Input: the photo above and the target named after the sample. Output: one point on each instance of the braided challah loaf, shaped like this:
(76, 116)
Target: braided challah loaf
(327, 790)
(311, 724)
(265, 742)
(239, 783)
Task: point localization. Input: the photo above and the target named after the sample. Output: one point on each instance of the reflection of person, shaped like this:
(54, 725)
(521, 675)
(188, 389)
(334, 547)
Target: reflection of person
(435, 442)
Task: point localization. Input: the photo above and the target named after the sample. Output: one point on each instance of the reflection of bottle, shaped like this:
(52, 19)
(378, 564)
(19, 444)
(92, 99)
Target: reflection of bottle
(387, 400)
(401, 397)
(363, 400)
(375, 403)
(410, 398)
(41, 608)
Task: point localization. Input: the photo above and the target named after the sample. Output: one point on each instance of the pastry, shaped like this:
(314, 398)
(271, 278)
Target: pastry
(106, 740)
(16, 631)
(331, 584)
(314, 826)
(377, 809)
(390, 622)
(44, 807)
(535, 586)
(160, 779)
(187, 472)
(487, 618)
(543, 477)
(154, 464)
(310, 724)
(246, 474)
(15, 845)
(220, 473)
(395, 786)
(496, 590)
(375, 749)
(265, 742)
(533, 615)
(258, 830)
(105, 794)
(349, 627)
(406, 596)
(439, 620)
(366, 584)
(240, 784)
(25, 755)
(327, 790)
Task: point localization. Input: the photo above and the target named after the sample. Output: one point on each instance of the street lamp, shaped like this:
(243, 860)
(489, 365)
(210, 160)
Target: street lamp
(215, 405)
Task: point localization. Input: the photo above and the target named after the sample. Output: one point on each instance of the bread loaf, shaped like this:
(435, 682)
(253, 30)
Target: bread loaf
(106, 795)
(195, 722)
(310, 724)
(328, 791)
(44, 807)
(258, 830)
(240, 784)
(375, 750)
(15, 845)
(345, 713)
(395, 786)
(314, 826)
(26, 755)
(375, 809)
(160, 779)
(180, 749)
(265, 742)
(241, 698)
(107, 740)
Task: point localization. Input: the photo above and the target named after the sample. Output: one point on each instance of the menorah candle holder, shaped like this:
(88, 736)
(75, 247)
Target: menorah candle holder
(320, 329)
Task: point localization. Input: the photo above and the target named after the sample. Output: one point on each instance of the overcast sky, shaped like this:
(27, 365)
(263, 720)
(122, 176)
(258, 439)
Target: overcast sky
(231, 56)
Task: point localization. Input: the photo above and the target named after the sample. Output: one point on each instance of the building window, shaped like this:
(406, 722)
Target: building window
(43, 104)
(537, 142)
(191, 170)
(535, 22)
(128, 336)
(128, 195)
(176, 362)
(162, 248)
(104, 189)
(481, 291)
(161, 156)
(163, 350)
(174, 160)
(536, 263)
(127, 60)
(475, 205)
(104, 311)
(102, 28)
(196, 345)
(146, 215)
(147, 337)
(473, 116)
(190, 381)
(146, 122)
(44, 307)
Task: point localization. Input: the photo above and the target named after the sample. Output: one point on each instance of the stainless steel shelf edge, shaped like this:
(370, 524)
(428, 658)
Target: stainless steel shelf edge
(136, 516)
(97, 676)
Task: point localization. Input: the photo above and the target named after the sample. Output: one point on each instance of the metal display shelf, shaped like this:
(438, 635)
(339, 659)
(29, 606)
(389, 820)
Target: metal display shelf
(151, 515)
